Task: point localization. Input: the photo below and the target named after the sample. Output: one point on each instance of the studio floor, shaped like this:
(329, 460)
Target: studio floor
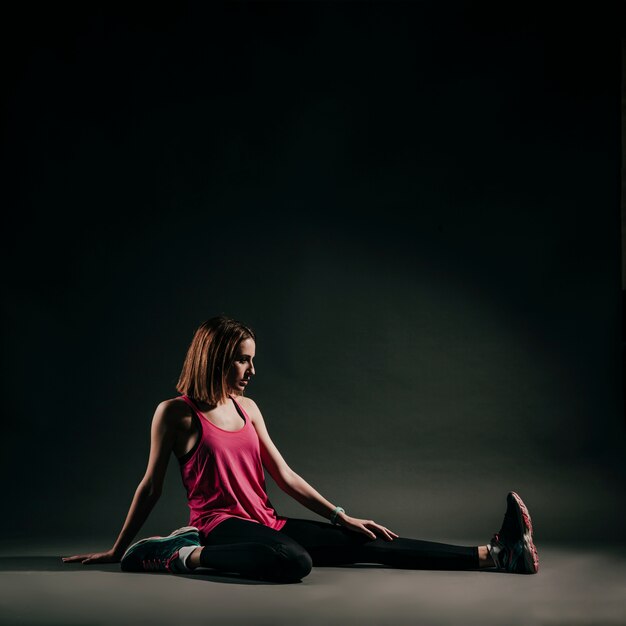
(575, 585)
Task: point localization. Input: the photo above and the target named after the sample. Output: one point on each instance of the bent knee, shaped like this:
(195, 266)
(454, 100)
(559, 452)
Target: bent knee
(292, 563)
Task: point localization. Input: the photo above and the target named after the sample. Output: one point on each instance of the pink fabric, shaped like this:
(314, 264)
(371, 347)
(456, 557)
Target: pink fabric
(224, 476)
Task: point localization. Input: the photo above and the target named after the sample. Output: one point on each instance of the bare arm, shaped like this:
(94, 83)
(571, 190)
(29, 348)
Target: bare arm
(298, 488)
(162, 437)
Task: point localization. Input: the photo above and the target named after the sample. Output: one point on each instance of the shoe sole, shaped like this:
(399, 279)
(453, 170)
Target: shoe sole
(180, 531)
(531, 558)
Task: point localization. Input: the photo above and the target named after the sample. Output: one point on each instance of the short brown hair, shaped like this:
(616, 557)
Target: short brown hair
(209, 357)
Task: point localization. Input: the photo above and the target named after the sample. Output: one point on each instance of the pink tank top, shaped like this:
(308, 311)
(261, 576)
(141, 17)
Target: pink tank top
(223, 475)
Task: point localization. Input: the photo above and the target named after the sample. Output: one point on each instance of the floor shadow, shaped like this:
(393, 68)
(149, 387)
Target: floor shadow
(358, 565)
(49, 564)
(55, 564)
(227, 578)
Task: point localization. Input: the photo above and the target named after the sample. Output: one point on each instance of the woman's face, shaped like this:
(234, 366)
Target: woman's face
(242, 368)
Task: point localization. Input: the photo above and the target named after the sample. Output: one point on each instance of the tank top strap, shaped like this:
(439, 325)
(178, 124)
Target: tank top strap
(240, 409)
(190, 402)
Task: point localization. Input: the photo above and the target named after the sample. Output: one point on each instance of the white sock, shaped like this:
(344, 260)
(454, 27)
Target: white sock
(183, 555)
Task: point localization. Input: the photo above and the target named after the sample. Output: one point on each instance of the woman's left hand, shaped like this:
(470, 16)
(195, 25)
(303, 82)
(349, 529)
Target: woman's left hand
(366, 526)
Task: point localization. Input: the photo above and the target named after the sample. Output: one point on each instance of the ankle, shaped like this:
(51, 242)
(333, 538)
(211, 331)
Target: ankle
(188, 557)
(484, 558)
(193, 560)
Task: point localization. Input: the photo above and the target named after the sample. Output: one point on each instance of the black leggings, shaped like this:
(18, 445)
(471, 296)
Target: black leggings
(258, 551)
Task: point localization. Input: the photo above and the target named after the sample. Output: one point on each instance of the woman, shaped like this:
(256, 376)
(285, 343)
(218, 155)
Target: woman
(222, 445)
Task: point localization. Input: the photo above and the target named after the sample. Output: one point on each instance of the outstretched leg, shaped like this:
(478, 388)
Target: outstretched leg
(333, 545)
(511, 549)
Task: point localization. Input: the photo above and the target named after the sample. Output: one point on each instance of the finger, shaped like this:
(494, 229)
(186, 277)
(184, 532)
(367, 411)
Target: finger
(391, 534)
(387, 534)
(389, 531)
(380, 529)
(369, 533)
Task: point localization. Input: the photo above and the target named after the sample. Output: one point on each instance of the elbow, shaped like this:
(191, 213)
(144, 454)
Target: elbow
(150, 490)
(154, 494)
(288, 477)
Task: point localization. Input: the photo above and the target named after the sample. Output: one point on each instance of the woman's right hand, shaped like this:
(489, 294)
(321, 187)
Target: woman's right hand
(96, 557)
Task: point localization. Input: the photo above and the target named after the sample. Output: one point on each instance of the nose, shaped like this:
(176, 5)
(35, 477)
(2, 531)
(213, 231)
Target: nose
(251, 369)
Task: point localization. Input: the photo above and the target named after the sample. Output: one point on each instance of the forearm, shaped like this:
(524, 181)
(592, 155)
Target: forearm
(300, 490)
(141, 506)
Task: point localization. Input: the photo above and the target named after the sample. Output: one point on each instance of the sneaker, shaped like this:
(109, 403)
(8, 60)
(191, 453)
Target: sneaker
(160, 554)
(512, 548)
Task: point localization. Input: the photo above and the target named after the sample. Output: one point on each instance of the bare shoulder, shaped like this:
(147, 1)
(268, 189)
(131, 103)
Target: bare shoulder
(171, 412)
(250, 407)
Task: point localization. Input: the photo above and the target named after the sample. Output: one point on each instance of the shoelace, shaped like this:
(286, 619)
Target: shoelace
(159, 564)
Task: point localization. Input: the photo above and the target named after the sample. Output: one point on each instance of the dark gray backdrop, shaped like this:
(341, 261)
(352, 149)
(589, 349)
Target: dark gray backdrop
(416, 205)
